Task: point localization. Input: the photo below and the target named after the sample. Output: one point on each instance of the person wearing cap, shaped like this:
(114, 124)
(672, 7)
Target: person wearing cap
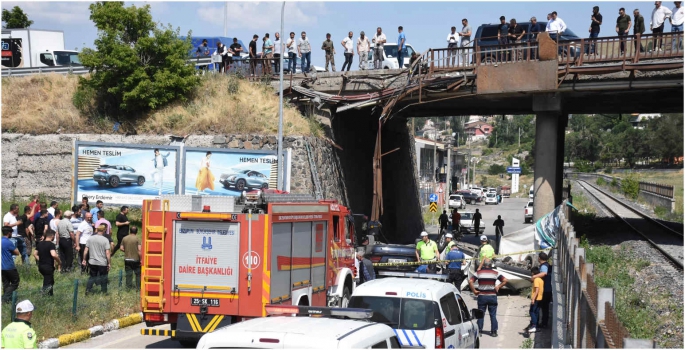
(487, 278)
(363, 47)
(449, 242)
(485, 251)
(454, 273)
(19, 334)
(427, 249)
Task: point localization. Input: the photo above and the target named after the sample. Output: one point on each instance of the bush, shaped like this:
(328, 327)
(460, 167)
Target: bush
(630, 186)
(601, 181)
(584, 166)
(496, 169)
(609, 170)
(614, 182)
(487, 151)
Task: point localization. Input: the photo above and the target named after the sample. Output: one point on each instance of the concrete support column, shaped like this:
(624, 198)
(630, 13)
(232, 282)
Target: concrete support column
(561, 139)
(548, 110)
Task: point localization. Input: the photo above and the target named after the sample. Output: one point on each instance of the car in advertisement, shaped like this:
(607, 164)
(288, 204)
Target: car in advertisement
(114, 175)
(245, 179)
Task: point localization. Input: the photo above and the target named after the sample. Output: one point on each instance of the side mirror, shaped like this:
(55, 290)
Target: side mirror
(477, 314)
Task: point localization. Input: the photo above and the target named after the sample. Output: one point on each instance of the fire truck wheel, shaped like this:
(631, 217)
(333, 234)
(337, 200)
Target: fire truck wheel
(345, 300)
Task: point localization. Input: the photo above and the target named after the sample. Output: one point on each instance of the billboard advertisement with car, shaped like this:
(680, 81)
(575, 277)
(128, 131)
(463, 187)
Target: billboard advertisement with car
(124, 174)
(224, 171)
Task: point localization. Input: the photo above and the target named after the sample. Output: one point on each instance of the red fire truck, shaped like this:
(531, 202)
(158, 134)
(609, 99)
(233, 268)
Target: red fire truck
(209, 261)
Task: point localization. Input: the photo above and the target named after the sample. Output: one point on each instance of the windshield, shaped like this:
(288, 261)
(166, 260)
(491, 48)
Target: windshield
(65, 58)
(398, 313)
(455, 197)
(491, 195)
(530, 204)
(391, 50)
(467, 216)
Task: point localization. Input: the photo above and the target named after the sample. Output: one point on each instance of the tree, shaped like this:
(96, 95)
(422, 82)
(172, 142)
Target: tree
(137, 65)
(15, 19)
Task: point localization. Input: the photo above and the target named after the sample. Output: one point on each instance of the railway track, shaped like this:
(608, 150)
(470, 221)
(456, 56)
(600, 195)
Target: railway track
(664, 239)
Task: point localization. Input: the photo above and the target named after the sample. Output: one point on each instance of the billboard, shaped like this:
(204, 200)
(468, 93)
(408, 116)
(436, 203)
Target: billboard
(12, 53)
(124, 174)
(225, 171)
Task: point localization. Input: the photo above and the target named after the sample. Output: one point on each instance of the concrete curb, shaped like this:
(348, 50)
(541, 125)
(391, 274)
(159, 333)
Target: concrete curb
(78, 336)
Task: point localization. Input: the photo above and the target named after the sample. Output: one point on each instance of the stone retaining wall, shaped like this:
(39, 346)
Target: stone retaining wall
(42, 164)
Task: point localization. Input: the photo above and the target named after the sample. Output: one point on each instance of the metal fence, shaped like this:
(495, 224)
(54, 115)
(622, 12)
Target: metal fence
(584, 314)
(647, 187)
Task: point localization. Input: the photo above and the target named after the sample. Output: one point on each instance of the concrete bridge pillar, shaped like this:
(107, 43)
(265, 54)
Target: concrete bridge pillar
(549, 136)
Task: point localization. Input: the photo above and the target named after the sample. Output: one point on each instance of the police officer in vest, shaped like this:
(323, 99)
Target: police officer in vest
(485, 251)
(19, 334)
(427, 250)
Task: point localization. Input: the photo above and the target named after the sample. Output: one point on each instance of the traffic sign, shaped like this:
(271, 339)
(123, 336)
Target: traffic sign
(434, 207)
(433, 197)
(513, 170)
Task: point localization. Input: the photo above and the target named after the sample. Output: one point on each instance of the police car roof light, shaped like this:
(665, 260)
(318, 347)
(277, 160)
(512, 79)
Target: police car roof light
(318, 311)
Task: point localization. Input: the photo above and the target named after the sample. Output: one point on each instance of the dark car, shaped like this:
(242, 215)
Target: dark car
(486, 36)
(392, 253)
(470, 198)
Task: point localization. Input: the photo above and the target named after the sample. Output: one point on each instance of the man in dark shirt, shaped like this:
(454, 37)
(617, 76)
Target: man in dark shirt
(203, 51)
(253, 54)
(638, 28)
(623, 25)
(444, 219)
(502, 30)
(131, 248)
(514, 35)
(499, 224)
(235, 50)
(46, 255)
(475, 221)
(596, 21)
(123, 224)
(24, 231)
(40, 225)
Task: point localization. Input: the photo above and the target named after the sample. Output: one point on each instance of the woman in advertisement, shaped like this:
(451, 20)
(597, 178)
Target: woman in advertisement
(205, 179)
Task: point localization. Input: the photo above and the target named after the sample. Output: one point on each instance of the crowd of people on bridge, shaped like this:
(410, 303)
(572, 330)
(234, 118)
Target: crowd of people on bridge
(507, 33)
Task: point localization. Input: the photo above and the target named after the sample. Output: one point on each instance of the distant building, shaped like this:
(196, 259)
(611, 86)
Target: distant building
(478, 130)
(640, 121)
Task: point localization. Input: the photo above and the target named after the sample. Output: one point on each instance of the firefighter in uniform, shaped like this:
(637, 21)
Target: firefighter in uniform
(19, 334)
(426, 250)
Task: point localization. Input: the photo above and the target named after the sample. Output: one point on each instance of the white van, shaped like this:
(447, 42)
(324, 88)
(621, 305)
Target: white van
(423, 313)
(288, 332)
(390, 56)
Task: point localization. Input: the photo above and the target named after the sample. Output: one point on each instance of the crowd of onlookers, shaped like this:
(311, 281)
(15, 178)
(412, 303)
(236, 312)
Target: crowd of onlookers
(79, 239)
(507, 32)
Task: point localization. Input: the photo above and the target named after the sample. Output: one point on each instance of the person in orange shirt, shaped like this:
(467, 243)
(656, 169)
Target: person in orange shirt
(535, 300)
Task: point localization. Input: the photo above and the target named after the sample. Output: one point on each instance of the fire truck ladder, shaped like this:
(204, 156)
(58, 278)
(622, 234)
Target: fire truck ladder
(153, 280)
(315, 172)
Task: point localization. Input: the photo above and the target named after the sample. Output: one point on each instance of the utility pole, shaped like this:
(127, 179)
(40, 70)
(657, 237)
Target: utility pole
(280, 174)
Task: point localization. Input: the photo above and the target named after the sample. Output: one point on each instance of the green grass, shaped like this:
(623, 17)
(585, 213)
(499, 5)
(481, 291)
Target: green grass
(527, 344)
(53, 315)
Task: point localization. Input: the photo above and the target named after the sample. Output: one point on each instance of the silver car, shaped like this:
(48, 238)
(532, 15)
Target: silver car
(114, 175)
(245, 179)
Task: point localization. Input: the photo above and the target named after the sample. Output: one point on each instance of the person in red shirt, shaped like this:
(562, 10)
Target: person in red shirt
(35, 207)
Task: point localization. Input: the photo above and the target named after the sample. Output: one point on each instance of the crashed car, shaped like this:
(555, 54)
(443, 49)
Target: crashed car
(245, 179)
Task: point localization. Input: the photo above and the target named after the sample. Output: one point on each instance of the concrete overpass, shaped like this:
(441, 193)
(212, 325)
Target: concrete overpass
(551, 79)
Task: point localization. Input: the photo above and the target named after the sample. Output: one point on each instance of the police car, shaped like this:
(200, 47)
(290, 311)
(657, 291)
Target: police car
(423, 313)
(325, 328)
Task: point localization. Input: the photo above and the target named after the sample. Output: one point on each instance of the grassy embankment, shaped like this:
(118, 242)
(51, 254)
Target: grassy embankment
(221, 105)
(53, 315)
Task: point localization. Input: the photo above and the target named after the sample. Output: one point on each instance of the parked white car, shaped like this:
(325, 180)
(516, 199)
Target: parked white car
(528, 212)
(491, 198)
(456, 201)
(390, 56)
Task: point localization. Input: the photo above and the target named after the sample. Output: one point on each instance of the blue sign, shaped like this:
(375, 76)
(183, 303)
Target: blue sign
(433, 197)
(513, 170)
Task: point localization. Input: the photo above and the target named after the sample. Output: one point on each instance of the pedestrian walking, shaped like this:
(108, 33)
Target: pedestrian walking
(363, 47)
(102, 221)
(46, 255)
(65, 242)
(83, 235)
(401, 46)
(595, 23)
(98, 250)
(53, 226)
(329, 51)
(475, 221)
(484, 251)
(454, 273)
(19, 334)
(465, 35)
(10, 275)
(252, 51)
(677, 19)
(348, 46)
(41, 224)
(123, 225)
(426, 251)
(291, 46)
(514, 34)
(656, 25)
(267, 54)
(131, 248)
(452, 44)
(487, 278)
(366, 272)
(623, 24)
(499, 224)
(378, 42)
(546, 275)
(10, 220)
(304, 51)
(456, 220)
(444, 220)
(535, 301)
(278, 50)
(638, 29)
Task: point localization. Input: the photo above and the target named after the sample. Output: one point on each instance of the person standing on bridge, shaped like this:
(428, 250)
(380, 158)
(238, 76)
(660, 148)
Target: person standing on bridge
(502, 30)
(304, 51)
(363, 47)
(252, 51)
(555, 26)
(452, 45)
(378, 41)
(19, 334)
(638, 29)
(514, 34)
(487, 278)
(595, 22)
(329, 48)
(267, 54)
(656, 25)
(465, 35)
(677, 19)
(499, 224)
(443, 219)
(348, 46)
(291, 45)
(623, 24)
(401, 45)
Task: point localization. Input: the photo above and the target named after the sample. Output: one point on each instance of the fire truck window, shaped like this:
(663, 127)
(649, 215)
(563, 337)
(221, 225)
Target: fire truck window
(347, 230)
(336, 227)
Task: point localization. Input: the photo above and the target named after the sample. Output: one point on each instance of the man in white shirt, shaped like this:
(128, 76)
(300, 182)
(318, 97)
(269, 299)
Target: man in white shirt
(555, 26)
(84, 232)
(363, 46)
(656, 25)
(378, 53)
(677, 19)
(304, 51)
(278, 49)
(452, 40)
(53, 205)
(348, 45)
(291, 46)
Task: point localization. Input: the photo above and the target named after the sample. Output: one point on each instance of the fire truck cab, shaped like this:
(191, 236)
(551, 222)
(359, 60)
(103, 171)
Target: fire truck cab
(210, 261)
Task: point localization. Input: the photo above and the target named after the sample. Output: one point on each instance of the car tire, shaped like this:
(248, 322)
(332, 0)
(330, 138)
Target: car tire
(240, 185)
(114, 181)
(265, 186)
(141, 181)
(345, 300)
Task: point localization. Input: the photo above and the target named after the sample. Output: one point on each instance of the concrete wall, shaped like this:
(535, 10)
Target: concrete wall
(658, 201)
(42, 164)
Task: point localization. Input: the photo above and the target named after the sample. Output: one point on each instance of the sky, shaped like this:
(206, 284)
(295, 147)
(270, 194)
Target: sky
(426, 24)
